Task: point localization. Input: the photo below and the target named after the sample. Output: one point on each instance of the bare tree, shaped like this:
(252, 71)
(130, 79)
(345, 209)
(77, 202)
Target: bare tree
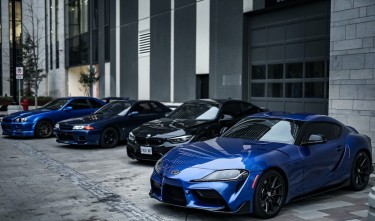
(34, 36)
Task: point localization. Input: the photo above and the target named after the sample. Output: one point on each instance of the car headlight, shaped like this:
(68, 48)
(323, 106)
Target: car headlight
(157, 167)
(22, 119)
(180, 139)
(224, 175)
(131, 137)
(57, 126)
(83, 127)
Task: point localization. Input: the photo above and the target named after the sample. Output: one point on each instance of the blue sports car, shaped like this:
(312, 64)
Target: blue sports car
(40, 122)
(110, 124)
(263, 162)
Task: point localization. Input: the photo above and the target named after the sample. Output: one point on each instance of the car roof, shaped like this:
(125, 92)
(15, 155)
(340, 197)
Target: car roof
(311, 117)
(213, 101)
(77, 97)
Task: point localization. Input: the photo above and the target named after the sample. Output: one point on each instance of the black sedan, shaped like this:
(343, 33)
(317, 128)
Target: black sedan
(192, 121)
(110, 124)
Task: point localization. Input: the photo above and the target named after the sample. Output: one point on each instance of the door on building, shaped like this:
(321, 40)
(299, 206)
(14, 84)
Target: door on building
(288, 57)
(202, 86)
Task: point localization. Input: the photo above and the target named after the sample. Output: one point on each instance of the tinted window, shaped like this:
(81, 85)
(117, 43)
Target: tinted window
(270, 130)
(143, 108)
(55, 104)
(94, 103)
(328, 130)
(156, 107)
(195, 111)
(79, 104)
(232, 108)
(114, 108)
(249, 109)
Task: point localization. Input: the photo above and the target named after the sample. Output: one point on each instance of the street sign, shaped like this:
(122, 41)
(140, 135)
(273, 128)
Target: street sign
(19, 73)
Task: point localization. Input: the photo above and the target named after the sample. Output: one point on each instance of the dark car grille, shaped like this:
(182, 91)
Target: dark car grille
(7, 127)
(66, 127)
(5, 120)
(174, 195)
(153, 141)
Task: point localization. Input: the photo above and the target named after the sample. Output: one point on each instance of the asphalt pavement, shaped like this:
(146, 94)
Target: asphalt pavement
(43, 180)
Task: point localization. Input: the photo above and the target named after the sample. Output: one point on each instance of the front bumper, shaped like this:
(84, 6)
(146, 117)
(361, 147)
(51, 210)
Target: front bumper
(21, 129)
(223, 197)
(78, 137)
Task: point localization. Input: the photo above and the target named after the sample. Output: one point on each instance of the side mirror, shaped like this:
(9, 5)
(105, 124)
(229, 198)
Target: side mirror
(226, 117)
(133, 113)
(68, 108)
(314, 139)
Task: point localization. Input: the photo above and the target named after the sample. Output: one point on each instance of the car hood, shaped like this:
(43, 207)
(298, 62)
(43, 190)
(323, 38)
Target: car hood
(228, 153)
(89, 119)
(166, 127)
(28, 113)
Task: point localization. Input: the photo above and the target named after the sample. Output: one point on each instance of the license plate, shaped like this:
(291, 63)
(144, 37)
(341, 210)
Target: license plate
(146, 150)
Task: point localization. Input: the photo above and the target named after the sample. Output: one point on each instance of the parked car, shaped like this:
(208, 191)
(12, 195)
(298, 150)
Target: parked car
(40, 122)
(263, 162)
(192, 121)
(110, 124)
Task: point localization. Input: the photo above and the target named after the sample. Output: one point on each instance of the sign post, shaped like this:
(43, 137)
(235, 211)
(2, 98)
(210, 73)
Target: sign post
(19, 77)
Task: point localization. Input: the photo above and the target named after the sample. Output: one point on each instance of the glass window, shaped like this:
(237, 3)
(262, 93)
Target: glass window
(74, 51)
(94, 103)
(293, 90)
(116, 107)
(142, 108)
(84, 23)
(84, 47)
(249, 109)
(314, 69)
(269, 130)
(79, 104)
(195, 111)
(275, 71)
(55, 104)
(73, 16)
(257, 89)
(156, 107)
(328, 130)
(233, 109)
(258, 72)
(275, 90)
(314, 89)
(294, 70)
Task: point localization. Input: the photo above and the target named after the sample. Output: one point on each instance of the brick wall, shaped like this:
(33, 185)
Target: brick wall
(352, 64)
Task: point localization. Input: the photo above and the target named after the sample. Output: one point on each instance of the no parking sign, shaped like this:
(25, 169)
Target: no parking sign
(19, 73)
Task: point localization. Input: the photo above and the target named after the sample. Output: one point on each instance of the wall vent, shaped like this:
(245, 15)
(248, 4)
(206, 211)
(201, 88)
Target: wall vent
(144, 43)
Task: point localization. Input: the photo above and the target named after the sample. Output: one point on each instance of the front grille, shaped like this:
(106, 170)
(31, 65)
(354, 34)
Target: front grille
(66, 127)
(153, 141)
(174, 195)
(7, 127)
(210, 197)
(5, 120)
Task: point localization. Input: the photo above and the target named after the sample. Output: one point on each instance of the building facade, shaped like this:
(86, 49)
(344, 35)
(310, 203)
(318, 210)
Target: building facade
(286, 55)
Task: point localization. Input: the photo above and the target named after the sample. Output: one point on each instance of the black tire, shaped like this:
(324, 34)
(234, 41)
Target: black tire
(269, 195)
(109, 138)
(43, 129)
(360, 171)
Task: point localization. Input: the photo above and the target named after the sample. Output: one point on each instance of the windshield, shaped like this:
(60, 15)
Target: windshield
(261, 129)
(195, 111)
(55, 104)
(116, 107)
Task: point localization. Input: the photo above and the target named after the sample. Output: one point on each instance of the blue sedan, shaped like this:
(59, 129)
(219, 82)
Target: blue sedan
(263, 162)
(40, 122)
(110, 124)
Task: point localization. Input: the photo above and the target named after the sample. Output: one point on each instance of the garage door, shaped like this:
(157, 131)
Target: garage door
(288, 52)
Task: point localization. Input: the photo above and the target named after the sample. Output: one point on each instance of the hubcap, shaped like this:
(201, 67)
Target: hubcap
(44, 129)
(272, 194)
(109, 137)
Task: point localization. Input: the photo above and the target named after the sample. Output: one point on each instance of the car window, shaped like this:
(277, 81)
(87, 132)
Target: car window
(79, 104)
(330, 131)
(249, 109)
(269, 130)
(143, 108)
(156, 107)
(232, 108)
(94, 103)
(117, 107)
(195, 111)
(55, 104)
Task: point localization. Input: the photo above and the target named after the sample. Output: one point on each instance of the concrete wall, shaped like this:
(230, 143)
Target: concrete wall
(352, 64)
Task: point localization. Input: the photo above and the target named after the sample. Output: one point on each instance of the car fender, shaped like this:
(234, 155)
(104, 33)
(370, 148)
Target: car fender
(357, 142)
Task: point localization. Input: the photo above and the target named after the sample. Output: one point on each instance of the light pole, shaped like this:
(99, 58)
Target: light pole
(14, 57)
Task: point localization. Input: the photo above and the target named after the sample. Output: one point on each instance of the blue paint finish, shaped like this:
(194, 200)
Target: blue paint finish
(306, 168)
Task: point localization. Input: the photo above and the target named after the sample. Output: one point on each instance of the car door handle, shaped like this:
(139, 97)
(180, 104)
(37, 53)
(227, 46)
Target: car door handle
(339, 148)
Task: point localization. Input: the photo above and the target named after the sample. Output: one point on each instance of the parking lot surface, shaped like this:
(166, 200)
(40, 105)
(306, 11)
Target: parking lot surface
(43, 180)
